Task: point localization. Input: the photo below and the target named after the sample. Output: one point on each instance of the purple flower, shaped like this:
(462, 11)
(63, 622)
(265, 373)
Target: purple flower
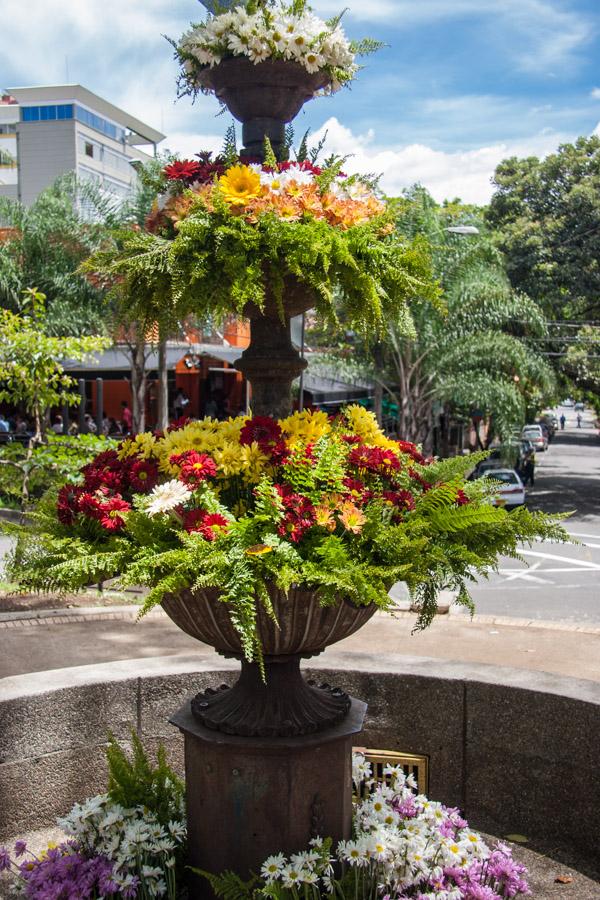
(20, 848)
(4, 859)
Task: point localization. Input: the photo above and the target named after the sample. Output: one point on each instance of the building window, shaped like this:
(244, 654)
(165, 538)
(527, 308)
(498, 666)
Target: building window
(89, 149)
(47, 113)
(99, 124)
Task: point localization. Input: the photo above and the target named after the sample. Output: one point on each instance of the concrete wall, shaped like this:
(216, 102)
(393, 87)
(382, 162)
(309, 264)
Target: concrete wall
(517, 751)
(46, 150)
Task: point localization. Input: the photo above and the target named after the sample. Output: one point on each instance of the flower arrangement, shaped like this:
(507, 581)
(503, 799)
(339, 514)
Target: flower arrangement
(329, 504)
(133, 849)
(256, 32)
(404, 846)
(234, 237)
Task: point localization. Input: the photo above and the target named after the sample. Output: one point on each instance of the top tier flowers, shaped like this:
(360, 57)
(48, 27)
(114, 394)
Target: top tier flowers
(288, 32)
(290, 191)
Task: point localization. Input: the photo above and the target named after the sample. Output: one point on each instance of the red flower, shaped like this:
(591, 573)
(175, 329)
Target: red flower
(461, 498)
(411, 450)
(67, 504)
(304, 166)
(419, 479)
(204, 523)
(182, 170)
(400, 499)
(195, 467)
(143, 476)
(351, 438)
(175, 426)
(262, 429)
(374, 459)
(299, 515)
(106, 470)
(110, 514)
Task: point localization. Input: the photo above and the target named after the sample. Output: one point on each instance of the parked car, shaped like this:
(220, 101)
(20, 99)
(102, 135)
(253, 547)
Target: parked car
(511, 492)
(535, 434)
(567, 402)
(579, 406)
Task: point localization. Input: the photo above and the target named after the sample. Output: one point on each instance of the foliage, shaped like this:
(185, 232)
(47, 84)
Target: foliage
(135, 782)
(240, 505)
(547, 215)
(48, 241)
(31, 374)
(477, 353)
(254, 236)
(49, 465)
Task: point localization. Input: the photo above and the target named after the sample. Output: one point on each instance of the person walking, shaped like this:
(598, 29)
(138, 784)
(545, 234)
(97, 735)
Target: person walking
(4, 426)
(528, 475)
(562, 422)
(126, 417)
(579, 420)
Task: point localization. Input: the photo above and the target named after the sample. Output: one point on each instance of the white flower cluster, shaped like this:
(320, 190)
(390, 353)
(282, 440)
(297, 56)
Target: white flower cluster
(402, 841)
(304, 39)
(144, 853)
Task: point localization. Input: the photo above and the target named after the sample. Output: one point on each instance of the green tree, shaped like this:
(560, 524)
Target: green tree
(472, 353)
(31, 374)
(48, 241)
(547, 215)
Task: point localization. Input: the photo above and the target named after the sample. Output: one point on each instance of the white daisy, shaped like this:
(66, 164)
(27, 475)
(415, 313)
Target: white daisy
(166, 497)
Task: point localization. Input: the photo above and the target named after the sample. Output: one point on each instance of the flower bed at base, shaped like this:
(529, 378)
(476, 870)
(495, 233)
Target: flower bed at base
(404, 847)
(330, 505)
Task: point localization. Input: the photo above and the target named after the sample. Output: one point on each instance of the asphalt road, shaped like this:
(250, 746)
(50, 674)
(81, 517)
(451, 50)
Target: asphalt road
(560, 582)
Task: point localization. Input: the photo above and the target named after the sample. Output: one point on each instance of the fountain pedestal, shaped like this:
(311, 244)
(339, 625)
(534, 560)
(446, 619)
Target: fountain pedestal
(248, 798)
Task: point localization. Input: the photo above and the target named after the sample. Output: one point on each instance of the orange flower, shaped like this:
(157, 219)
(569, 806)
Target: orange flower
(324, 517)
(351, 517)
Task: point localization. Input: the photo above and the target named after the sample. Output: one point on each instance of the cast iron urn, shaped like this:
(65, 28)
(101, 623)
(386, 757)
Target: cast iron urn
(282, 704)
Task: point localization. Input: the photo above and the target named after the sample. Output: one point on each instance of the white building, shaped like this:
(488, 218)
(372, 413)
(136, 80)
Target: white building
(48, 131)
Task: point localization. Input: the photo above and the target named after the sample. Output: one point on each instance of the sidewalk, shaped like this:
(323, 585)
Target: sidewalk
(35, 642)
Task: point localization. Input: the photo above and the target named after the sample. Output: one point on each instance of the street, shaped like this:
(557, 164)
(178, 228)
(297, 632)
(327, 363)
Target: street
(560, 582)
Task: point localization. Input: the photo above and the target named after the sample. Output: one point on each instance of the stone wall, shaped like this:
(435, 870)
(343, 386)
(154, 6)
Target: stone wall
(517, 751)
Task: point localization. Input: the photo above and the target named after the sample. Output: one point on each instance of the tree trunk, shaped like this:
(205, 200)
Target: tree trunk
(163, 387)
(138, 384)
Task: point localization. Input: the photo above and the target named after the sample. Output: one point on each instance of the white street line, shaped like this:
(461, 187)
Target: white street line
(578, 563)
(526, 574)
(550, 571)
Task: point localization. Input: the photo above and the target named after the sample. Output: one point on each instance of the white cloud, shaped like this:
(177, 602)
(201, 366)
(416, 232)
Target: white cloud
(465, 174)
(595, 93)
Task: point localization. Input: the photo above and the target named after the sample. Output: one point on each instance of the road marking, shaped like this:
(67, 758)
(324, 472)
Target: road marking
(578, 563)
(550, 571)
(526, 574)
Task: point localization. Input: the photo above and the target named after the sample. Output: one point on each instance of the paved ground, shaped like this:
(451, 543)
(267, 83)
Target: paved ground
(38, 644)
(560, 582)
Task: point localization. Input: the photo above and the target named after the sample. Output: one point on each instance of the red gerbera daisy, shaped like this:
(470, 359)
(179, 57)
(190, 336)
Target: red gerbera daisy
(143, 476)
(262, 429)
(204, 523)
(111, 516)
(182, 170)
(194, 467)
(67, 504)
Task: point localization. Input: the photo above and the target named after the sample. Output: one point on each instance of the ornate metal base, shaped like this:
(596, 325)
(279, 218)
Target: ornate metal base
(284, 706)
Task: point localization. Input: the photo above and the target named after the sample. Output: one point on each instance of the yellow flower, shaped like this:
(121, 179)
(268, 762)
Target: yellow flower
(142, 445)
(306, 427)
(239, 184)
(230, 429)
(352, 518)
(230, 460)
(201, 436)
(255, 461)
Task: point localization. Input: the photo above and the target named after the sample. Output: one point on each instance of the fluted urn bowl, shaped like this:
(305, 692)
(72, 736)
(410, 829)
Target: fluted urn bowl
(282, 703)
(263, 96)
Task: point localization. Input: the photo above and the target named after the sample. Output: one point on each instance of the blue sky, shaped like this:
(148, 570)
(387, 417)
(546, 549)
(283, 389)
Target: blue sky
(461, 85)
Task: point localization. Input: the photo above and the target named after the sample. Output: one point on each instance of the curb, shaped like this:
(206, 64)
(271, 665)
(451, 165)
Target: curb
(74, 615)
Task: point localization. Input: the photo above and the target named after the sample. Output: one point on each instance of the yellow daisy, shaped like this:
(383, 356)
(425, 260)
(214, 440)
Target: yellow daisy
(306, 427)
(255, 461)
(239, 184)
(229, 460)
